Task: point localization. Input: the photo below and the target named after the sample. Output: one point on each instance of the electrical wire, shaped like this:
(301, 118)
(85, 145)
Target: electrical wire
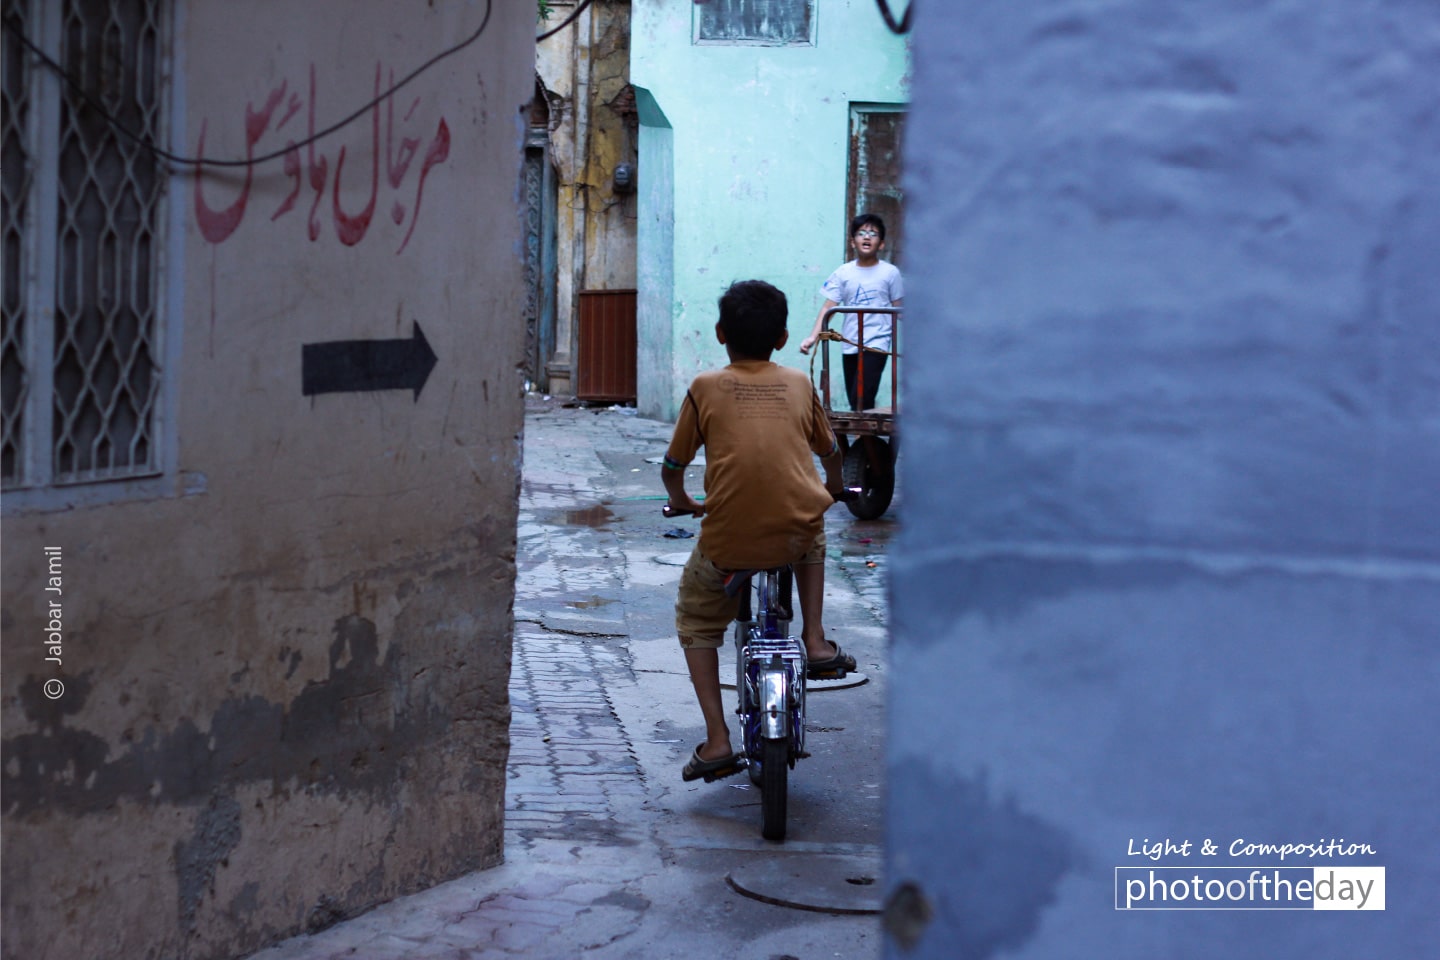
(19, 34)
(901, 26)
(574, 15)
(11, 25)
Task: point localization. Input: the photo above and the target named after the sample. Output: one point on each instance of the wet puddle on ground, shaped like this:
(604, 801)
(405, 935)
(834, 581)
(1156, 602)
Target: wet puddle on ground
(596, 516)
(591, 603)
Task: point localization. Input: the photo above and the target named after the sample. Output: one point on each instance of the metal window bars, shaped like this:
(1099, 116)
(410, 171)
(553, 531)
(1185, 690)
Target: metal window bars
(15, 172)
(93, 203)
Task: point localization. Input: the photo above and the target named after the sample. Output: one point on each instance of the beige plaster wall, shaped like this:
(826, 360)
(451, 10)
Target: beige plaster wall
(285, 674)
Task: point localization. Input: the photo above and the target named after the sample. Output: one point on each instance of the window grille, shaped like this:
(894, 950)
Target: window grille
(15, 175)
(83, 241)
(755, 22)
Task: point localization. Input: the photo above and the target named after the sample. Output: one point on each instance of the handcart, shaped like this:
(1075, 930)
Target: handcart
(867, 438)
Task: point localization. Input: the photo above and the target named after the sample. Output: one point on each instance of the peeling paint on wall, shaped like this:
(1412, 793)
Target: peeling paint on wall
(341, 735)
(217, 833)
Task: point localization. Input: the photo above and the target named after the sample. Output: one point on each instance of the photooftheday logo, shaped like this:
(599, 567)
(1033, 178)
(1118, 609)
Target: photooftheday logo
(1249, 888)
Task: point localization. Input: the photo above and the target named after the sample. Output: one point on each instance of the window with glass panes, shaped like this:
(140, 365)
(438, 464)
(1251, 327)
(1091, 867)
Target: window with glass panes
(755, 22)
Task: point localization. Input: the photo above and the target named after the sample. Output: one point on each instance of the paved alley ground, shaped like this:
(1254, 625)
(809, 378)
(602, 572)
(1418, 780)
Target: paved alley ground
(609, 854)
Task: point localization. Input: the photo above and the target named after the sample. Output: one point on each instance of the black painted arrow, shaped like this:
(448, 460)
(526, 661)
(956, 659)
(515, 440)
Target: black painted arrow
(352, 366)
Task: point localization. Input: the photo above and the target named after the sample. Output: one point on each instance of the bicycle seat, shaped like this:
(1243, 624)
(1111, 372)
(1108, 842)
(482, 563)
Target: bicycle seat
(736, 580)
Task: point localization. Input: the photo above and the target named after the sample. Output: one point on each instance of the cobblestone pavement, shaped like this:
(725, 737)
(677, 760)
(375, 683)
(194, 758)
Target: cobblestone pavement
(570, 758)
(608, 853)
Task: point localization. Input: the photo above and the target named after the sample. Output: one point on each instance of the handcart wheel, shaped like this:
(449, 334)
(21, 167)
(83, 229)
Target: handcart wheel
(869, 467)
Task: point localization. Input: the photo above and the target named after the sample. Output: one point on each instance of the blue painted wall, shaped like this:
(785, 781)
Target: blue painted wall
(759, 145)
(1171, 565)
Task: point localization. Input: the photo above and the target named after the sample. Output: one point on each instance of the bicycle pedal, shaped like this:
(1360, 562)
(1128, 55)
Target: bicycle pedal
(729, 771)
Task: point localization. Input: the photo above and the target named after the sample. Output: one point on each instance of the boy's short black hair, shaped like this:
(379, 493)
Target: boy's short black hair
(753, 315)
(868, 220)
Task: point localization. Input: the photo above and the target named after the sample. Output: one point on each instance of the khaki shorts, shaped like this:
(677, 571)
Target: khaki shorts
(703, 613)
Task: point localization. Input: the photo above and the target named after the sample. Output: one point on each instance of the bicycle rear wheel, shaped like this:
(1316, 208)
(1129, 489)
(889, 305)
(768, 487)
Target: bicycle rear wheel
(774, 787)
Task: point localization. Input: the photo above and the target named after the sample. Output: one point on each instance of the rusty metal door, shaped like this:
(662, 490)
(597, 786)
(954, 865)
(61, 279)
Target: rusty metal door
(607, 348)
(873, 184)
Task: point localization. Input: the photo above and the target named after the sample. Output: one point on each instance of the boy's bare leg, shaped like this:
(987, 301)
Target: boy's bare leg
(810, 584)
(704, 666)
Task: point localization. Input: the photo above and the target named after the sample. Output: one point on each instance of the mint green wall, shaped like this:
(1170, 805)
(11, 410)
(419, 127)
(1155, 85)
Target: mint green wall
(760, 144)
(655, 260)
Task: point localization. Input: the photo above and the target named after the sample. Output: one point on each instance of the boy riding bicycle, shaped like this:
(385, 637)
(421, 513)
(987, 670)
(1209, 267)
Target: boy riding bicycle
(764, 503)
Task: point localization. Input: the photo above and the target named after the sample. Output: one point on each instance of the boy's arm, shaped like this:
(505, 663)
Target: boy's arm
(834, 478)
(684, 444)
(832, 461)
(809, 341)
(674, 480)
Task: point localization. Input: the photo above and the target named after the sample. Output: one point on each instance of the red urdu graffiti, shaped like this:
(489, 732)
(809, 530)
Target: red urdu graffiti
(216, 225)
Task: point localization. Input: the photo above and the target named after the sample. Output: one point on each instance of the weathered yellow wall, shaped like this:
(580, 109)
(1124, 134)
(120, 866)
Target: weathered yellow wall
(587, 65)
(285, 678)
(610, 221)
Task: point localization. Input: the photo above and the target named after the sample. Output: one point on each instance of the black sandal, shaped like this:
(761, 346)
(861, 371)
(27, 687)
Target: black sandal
(712, 770)
(834, 668)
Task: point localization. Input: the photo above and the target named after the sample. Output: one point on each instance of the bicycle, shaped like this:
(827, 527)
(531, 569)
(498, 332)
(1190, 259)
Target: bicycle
(771, 667)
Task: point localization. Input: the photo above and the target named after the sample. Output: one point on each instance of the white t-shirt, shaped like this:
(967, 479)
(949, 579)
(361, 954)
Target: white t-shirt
(852, 285)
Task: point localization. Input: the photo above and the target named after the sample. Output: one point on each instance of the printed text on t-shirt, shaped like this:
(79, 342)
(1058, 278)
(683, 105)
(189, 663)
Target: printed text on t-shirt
(761, 401)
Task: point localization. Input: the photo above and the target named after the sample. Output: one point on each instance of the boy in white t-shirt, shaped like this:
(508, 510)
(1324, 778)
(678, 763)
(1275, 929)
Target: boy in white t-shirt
(866, 281)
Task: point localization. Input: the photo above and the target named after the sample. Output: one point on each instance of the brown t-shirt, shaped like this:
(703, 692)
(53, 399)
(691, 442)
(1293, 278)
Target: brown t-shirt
(759, 424)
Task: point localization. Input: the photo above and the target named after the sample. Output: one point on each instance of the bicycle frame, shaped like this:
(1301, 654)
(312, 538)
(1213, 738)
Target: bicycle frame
(770, 669)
